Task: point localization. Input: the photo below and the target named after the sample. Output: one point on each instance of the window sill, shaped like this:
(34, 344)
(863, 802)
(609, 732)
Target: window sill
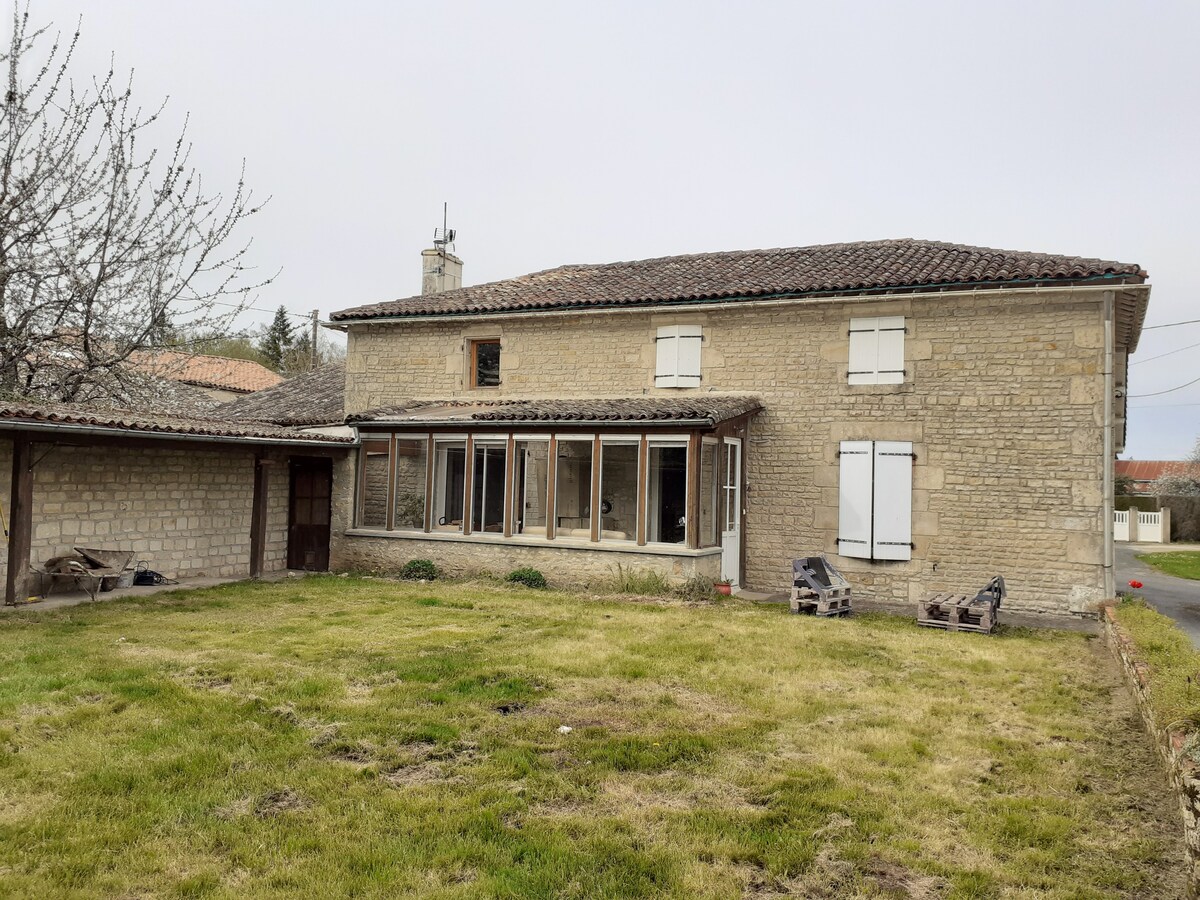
(849, 390)
(520, 541)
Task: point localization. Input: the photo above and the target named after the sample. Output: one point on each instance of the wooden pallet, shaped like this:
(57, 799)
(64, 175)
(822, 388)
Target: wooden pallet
(836, 603)
(957, 612)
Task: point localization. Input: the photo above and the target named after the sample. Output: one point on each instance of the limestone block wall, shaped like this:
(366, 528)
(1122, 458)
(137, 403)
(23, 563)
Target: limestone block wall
(1003, 398)
(185, 512)
(562, 565)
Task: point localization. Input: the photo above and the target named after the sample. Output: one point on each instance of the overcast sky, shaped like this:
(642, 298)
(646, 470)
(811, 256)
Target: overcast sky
(591, 132)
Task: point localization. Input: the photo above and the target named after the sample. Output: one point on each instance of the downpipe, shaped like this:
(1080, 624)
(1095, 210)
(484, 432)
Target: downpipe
(1108, 501)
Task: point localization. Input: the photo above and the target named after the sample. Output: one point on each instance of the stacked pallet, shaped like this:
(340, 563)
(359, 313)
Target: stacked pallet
(819, 588)
(810, 602)
(954, 612)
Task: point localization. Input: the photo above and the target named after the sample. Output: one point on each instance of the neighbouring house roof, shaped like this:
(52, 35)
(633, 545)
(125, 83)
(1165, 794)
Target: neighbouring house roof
(314, 398)
(1152, 469)
(704, 410)
(749, 274)
(242, 376)
(75, 419)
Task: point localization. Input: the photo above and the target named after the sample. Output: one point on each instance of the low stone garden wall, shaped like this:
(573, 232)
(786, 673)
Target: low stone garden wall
(1172, 743)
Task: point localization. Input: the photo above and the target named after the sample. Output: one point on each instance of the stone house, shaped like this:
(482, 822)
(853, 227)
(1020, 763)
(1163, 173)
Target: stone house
(926, 414)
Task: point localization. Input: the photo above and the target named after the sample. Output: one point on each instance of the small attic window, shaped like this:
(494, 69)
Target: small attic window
(485, 363)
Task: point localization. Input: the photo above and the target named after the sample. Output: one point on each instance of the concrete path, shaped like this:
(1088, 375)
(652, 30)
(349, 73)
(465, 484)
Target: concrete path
(60, 599)
(1089, 625)
(1178, 598)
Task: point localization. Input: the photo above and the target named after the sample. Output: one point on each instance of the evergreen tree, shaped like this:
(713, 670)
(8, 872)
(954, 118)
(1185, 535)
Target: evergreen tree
(277, 340)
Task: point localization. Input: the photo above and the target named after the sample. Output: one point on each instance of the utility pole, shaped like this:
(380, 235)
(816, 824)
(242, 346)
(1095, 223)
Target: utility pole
(316, 314)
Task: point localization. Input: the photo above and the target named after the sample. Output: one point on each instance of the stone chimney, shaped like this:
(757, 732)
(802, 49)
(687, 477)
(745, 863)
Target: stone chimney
(441, 270)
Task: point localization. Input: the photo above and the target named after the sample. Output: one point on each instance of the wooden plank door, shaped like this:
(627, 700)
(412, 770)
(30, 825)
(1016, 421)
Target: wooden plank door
(308, 513)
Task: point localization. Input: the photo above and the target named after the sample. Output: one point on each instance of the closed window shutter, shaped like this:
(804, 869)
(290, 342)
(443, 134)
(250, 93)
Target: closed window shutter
(864, 351)
(855, 499)
(678, 356)
(891, 350)
(690, 341)
(876, 351)
(666, 371)
(892, 531)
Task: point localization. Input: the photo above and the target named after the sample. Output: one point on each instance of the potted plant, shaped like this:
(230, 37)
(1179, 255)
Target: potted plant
(722, 587)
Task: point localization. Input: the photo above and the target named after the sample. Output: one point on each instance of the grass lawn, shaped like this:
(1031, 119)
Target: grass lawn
(1174, 662)
(333, 737)
(1182, 564)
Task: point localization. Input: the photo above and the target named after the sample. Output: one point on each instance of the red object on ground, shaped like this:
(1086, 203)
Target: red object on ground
(1135, 584)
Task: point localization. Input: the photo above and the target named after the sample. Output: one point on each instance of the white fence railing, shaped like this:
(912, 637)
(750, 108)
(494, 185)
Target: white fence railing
(1121, 525)
(1142, 527)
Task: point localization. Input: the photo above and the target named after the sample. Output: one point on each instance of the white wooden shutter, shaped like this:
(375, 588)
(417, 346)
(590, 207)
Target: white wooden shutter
(891, 350)
(855, 499)
(677, 356)
(892, 531)
(666, 370)
(690, 341)
(864, 351)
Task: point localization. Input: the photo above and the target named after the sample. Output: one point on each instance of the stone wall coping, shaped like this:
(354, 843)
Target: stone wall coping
(1170, 742)
(540, 543)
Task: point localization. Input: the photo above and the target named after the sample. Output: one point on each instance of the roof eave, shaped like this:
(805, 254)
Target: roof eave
(43, 427)
(940, 288)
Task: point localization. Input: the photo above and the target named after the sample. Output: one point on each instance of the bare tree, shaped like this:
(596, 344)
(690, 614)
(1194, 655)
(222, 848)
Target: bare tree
(104, 237)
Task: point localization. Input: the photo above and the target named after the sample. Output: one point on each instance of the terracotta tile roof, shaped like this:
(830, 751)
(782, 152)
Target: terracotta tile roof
(829, 268)
(1151, 469)
(315, 398)
(14, 417)
(242, 376)
(699, 409)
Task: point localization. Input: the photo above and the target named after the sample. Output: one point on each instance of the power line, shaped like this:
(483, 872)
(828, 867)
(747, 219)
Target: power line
(1161, 355)
(1167, 391)
(305, 316)
(1170, 324)
(1160, 405)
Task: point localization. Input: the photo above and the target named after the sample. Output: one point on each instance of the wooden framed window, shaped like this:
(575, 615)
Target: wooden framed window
(877, 351)
(449, 484)
(484, 361)
(619, 469)
(411, 460)
(373, 483)
(573, 486)
(489, 475)
(667, 490)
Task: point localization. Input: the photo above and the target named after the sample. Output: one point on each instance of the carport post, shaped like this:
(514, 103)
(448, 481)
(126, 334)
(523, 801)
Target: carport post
(258, 516)
(20, 519)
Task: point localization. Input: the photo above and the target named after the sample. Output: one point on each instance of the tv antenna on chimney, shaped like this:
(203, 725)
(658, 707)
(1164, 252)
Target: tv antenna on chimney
(443, 238)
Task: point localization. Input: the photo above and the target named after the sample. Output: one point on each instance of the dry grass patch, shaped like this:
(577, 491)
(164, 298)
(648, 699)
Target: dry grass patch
(337, 736)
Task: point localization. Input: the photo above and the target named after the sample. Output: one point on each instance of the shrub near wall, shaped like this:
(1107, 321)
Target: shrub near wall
(1145, 504)
(1185, 517)
(1160, 664)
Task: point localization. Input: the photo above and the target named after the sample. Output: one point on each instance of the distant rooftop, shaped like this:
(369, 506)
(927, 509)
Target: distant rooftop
(314, 398)
(241, 376)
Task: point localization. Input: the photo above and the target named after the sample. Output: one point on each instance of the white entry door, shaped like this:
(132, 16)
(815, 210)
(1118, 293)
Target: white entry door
(731, 526)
